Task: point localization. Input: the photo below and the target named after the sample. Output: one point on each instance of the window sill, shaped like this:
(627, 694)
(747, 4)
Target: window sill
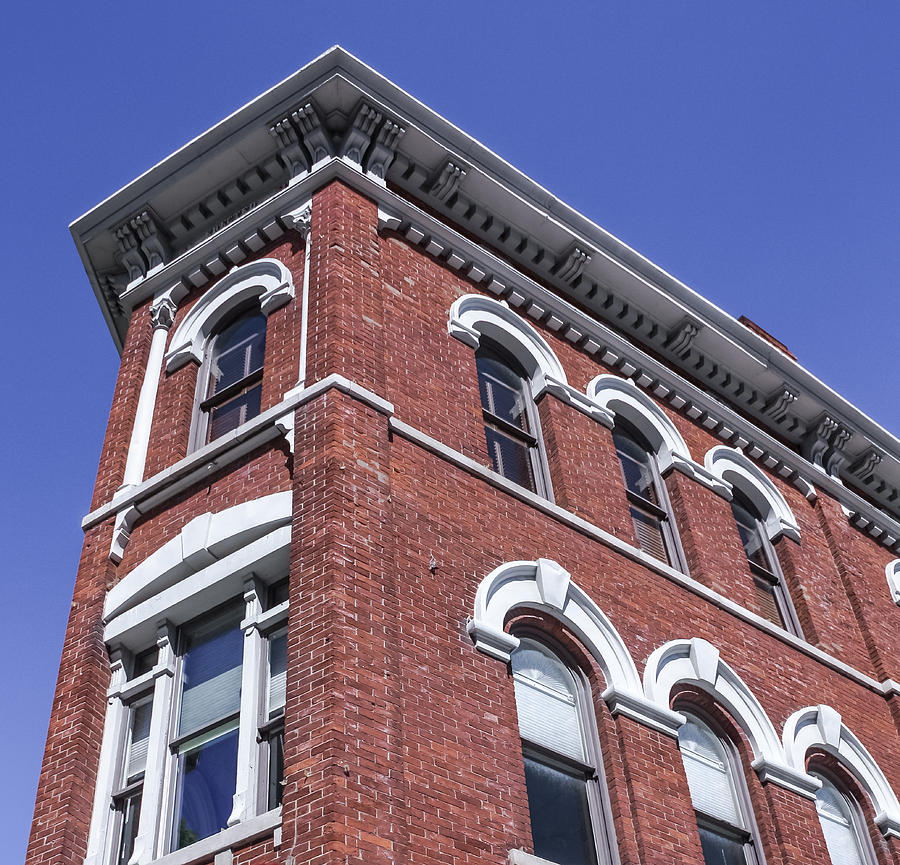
(234, 836)
(520, 857)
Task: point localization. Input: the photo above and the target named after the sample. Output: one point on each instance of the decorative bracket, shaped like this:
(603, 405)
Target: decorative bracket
(865, 465)
(384, 149)
(301, 140)
(142, 247)
(360, 133)
(779, 402)
(570, 266)
(681, 338)
(447, 182)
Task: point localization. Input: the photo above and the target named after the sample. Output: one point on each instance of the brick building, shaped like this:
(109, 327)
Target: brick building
(433, 524)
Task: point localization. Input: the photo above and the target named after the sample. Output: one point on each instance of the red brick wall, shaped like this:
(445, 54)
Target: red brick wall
(401, 739)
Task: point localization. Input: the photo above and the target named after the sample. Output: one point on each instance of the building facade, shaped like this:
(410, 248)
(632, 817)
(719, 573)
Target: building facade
(433, 524)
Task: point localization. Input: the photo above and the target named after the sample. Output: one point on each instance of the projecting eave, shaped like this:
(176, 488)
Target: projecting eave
(161, 225)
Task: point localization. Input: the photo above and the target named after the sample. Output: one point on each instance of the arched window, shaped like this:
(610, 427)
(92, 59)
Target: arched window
(562, 768)
(232, 376)
(511, 424)
(772, 597)
(842, 825)
(647, 497)
(719, 796)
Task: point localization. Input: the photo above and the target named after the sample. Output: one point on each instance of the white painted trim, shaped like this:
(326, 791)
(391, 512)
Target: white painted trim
(545, 585)
(622, 398)
(239, 835)
(892, 572)
(735, 468)
(697, 662)
(203, 540)
(822, 727)
(474, 316)
(113, 736)
(266, 278)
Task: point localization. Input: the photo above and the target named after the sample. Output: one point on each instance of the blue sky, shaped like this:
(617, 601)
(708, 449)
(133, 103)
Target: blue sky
(749, 149)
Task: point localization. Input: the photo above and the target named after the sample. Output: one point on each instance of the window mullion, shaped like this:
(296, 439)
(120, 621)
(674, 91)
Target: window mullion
(149, 835)
(111, 756)
(246, 800)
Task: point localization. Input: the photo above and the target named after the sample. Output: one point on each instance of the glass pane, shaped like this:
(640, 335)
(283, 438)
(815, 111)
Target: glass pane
(560, 819)
(206, 777)
(650, 538)
(277, 673)
(211, 670)
(238, 351)
(276, 769)
(138, 738)
(503, 391)
(636, 467)
(837, 826)
(230, 415)
(278, 592)
(145, 661)
(718, 849)
(545, 700)
(511, 458)
(131, 812)
(708, 773)
(749, 530)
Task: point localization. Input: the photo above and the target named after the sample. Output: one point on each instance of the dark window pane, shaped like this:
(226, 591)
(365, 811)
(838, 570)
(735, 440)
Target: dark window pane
(636, 468)
(511, 458)
(648, 529)
(145, 661)
(278, 593)
(751, 538)
(560, 820)
(719, 849)
(503, 392)
(131, 812)
(276, 769)
(230, 415)
(207, 776)
(211, 670)
(238, 351)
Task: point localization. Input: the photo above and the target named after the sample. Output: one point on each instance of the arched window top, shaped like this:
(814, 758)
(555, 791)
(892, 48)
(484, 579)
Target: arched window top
(266, 279)
(733, 467)
(821, 727)
(892, 572)
(627, 402)
(842, 826)
(545, 585)
(474, 317)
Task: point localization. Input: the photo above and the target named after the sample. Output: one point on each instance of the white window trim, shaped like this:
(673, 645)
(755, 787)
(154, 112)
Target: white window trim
(545, 585)
(621, 397)
(736, 469)
(854, 812)
(822, 727)
(892, 572)
(697, 662)
(212, 560)
(266, 279)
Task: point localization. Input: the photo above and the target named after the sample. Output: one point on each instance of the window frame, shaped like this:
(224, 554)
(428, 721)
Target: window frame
(597, 792)
(858, 822)
(751, 843)
(773, 575)
(204, 402)
(662, 509)
(533, 438)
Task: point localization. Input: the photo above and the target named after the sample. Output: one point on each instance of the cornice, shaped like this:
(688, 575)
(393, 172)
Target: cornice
(338, 112)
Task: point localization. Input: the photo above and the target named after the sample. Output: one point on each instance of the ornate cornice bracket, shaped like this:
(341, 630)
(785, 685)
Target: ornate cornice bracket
(864, 466)
(143, 248)
(446, 184)
(384, 150)
(779, 402)
(360, 133)
(681, 338)
(301, 140)
(569, 267)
